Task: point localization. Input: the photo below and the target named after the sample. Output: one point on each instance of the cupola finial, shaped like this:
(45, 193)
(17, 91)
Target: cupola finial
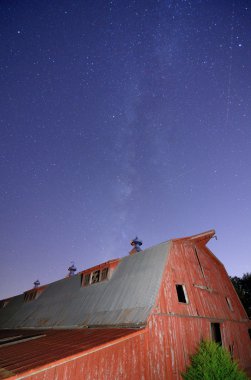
(72, 269)
(136, 244)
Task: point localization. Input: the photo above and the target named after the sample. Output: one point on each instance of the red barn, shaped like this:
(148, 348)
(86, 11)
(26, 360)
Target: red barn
(139, 317)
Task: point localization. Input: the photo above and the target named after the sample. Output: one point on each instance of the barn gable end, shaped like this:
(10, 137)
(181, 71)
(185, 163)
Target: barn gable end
(208, 309)
(141, 320)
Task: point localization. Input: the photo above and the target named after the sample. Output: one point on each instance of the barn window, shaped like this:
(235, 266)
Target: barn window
(4, 303)
(86, 279)
(104, 274)
(31, 295)
(249, 332)
(229, 303)
(181, 293)
(216, 333)
(95, 277)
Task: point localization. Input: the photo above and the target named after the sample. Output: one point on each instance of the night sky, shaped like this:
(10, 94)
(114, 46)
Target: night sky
(122, 118)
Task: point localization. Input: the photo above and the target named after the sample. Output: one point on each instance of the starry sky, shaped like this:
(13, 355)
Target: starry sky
(121, 118)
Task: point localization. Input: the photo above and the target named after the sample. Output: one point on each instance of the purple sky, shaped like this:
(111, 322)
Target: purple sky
(121, 118)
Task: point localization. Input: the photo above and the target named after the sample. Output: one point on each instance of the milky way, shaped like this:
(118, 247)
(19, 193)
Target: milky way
(121, 118)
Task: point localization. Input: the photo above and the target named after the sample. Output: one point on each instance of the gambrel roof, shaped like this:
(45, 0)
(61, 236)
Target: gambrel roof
(124, 299)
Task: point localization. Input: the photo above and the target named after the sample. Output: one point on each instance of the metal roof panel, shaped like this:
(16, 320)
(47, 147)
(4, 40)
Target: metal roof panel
(53, 346)
(124, 300)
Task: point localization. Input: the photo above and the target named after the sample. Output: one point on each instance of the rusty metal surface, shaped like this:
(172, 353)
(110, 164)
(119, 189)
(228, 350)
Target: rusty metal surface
(124, 300)
(56, 347)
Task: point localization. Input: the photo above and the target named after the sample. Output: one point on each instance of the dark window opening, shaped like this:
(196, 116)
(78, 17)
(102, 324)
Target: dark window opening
(229, 303)
(95, 276)
(249, 332)
(181, 292)
(87, 279)
(216, 333)
(4, 303)
(30, 296)
(104, 274)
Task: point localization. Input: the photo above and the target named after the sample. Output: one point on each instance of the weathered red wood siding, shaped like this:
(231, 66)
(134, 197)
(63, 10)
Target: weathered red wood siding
(125, 360)
(183, 268)
(175, 329)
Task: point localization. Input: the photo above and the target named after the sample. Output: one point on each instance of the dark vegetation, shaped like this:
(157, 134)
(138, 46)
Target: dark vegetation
(212, 362)
(243, 288)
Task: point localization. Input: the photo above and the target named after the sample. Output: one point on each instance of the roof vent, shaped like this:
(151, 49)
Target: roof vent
(136, 243)
(36, 284)
(72, 269)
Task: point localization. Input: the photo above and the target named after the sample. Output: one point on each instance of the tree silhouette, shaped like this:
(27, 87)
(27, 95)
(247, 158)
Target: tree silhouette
(243, 288)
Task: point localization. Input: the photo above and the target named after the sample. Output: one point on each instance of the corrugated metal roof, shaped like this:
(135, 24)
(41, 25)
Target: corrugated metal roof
(52, 346)
(124, 300)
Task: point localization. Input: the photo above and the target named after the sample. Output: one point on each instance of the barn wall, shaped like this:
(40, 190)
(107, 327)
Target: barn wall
(126, 360)
(206, 282)
(176, 329)
(161, 352)
(173, 339)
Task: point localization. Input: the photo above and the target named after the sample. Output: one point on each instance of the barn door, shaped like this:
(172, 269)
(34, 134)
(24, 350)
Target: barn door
(216, 333)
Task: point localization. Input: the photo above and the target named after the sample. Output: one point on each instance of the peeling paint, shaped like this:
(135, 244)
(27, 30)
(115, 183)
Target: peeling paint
(172, 332)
